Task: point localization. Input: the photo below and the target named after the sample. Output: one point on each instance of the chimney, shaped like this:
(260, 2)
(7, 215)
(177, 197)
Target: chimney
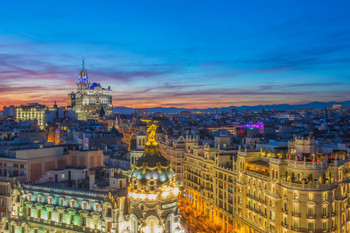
(112, 172)
(91, 179)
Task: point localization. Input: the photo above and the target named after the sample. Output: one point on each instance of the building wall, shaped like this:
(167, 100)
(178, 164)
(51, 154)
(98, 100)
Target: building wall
(263, 193)
(39, 210)
(32, 113)
(35, 163)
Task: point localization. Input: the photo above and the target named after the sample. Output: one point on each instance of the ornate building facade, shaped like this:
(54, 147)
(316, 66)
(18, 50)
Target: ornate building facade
(174, 151)
(259, 191)
(33, 111)
(98, 200)
(90, 100)
(153, 191)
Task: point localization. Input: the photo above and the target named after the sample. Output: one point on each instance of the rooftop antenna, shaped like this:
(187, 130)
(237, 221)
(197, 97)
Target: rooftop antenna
(83, 64)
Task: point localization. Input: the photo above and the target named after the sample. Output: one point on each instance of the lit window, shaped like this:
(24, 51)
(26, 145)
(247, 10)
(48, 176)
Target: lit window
(311, 196)
(97, 207)
(296, 195)
(324, 196)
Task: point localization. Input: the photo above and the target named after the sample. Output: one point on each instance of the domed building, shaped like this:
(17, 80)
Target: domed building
(153, 191)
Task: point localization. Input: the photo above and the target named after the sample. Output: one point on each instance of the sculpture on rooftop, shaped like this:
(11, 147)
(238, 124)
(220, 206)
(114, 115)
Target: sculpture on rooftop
(151, 130)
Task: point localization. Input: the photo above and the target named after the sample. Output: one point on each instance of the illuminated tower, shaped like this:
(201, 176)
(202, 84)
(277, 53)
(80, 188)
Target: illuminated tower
(153, 191)
(83, 76)
(90, 99)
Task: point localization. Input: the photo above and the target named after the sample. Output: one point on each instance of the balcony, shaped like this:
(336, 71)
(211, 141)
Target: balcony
(296, 214)
(311, 216)
(299, 229)
(307, 165)
(285, 211)
(284, 224)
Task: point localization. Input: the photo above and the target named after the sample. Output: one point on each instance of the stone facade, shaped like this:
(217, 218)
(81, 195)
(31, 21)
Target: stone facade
(43, 209)
(270, 192)
(68, 201)
(32, 111)
(90, 101)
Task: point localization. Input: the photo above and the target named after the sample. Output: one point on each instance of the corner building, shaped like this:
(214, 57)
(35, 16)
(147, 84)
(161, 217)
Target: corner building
(258, 191)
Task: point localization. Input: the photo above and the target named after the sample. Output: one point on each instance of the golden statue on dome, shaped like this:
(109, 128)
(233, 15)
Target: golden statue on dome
(151, 130)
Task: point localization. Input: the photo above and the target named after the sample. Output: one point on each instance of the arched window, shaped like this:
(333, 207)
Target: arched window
(72, 203)
(168, 226)
(61, 201)
(109, 212)
(84, 205)
(97, 207)
(134, 224)
(17, 198)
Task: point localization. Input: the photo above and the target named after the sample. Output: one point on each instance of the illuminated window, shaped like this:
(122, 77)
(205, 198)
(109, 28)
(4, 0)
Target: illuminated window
(50, 200)
(296, 195)
(85, 205)
(63, 176)
(97, 207)
(311, 196)
(62, 201)
(40, 198)
(324, 196)
(72, 203)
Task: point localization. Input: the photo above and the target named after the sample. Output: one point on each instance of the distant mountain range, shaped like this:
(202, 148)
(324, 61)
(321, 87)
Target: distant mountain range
(276, 107)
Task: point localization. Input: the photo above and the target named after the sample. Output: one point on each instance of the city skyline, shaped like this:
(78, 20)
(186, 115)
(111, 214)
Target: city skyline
(178, 54)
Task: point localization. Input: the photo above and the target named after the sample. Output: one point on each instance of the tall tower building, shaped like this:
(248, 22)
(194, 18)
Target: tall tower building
(153, 191)
(90, 100)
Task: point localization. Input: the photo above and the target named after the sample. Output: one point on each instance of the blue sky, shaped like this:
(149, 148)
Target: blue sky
(177, 53)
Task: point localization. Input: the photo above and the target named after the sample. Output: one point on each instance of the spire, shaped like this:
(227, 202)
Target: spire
(83, 76)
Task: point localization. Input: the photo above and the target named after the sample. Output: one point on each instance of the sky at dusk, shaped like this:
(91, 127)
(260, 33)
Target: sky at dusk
(177, 53)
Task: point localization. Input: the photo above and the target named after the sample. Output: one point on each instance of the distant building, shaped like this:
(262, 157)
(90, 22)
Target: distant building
(32, 111)
(233, 111)
(142, 112)
(185, 113)
(90, 101)
(337, 106)
(9, 111)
